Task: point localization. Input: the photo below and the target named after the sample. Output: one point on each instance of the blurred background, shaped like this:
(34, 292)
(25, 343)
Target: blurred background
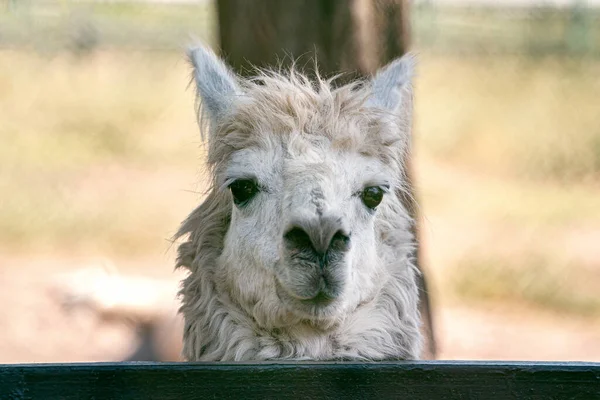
(100, 159)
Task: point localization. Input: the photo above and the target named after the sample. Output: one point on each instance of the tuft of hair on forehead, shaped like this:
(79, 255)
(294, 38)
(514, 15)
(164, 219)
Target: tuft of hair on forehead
(274, 105)
(286, 101)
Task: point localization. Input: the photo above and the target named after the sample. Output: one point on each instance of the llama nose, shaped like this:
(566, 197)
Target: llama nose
(323, 236)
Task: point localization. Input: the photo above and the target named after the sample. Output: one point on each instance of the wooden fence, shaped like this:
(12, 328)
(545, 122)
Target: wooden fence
(388, 380)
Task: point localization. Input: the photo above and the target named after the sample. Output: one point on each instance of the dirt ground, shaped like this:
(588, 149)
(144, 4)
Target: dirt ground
(33, 328)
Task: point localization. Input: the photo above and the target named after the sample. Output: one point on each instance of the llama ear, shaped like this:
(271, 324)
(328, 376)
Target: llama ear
(216, 84)
(391, 87)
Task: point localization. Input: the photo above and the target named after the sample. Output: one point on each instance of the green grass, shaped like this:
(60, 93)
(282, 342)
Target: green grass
(107, 107)
(535, 279)
(96, 151)
(501, 238)
(506, 114)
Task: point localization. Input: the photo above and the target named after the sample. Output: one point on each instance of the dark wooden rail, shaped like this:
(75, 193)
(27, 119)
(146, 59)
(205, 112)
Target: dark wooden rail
(389, 380)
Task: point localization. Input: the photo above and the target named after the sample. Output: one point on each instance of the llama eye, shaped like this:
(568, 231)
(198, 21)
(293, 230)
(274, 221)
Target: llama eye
(243, 190)
(372, 196)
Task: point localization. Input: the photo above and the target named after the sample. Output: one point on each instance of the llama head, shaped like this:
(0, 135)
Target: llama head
(303, 217)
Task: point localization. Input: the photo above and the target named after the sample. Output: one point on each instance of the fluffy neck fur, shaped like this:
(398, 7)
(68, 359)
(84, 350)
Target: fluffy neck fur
(220, 328)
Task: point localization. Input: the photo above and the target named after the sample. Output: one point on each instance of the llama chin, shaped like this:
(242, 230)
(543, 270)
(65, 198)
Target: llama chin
(302, 247)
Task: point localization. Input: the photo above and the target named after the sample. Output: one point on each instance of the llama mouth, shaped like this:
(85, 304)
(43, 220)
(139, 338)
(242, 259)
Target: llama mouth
(321, 302)
(322, 299)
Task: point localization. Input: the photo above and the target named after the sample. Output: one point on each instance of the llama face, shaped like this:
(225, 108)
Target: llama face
(304, 216)
(305, 176)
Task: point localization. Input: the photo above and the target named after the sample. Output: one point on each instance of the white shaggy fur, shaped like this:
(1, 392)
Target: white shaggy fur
(312, 149)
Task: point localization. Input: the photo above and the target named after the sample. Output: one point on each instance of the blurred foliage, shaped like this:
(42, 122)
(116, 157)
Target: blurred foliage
(82, 25)
(50, 26)
(500, 29)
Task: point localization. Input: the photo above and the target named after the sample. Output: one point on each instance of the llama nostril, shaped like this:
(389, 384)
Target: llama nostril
(298, 238)
(340, 241)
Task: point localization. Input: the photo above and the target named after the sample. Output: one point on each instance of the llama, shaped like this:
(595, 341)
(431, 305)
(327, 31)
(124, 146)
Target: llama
(302, 248)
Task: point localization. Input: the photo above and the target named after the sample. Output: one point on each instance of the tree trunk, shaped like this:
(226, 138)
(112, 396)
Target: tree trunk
(354, 37)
